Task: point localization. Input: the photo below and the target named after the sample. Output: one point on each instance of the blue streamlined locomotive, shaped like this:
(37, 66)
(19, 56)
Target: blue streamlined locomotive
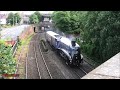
(68, 49)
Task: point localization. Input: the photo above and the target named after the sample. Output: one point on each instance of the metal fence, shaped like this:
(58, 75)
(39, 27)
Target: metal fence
(14, 48)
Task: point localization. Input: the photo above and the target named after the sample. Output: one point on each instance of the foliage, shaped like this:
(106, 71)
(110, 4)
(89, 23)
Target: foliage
(7, 63)
(38, 15)
(13, 18)
(33, 19)
(99, 30)
(17, 17)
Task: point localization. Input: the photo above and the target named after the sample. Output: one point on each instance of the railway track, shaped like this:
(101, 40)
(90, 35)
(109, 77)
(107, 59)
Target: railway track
(86, 60)
(38, 59)
(83, 70)
(32, 69)
(44, 60)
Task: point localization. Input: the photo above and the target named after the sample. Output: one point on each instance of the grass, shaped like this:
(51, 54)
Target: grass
(24, 42)
(7, 26)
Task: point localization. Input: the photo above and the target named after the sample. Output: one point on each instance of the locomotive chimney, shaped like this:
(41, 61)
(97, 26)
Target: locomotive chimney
(73, 42)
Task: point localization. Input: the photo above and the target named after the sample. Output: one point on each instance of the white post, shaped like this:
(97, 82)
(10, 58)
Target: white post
(16, 20)
(13, 20)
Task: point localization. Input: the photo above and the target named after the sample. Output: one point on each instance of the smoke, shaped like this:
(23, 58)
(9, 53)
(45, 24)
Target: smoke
(71, 37)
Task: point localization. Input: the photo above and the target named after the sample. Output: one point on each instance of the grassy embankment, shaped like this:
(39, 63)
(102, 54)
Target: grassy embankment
(22, 49)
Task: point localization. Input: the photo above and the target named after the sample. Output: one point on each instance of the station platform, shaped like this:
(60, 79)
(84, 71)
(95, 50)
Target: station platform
(108, 70)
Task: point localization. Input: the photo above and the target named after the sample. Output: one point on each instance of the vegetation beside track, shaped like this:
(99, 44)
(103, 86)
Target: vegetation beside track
(7, 62)
(22, 48)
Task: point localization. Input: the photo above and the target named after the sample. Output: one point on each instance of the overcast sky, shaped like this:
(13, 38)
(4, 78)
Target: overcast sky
(26, 12)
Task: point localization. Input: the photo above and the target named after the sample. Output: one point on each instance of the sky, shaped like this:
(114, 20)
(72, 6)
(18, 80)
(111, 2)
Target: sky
(25, 12)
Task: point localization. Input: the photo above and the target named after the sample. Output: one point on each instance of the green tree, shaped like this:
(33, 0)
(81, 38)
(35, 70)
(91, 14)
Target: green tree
(13, 18)
(17, 18)
(10, 19)
(38, 15)
(61, 20)
(33, 19)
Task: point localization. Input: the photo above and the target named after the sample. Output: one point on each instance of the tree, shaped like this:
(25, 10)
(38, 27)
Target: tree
(33, 19)
(67, 21)
(61, 20)
(38, 15)
(17, 18)
(13, 18)
(10, 18)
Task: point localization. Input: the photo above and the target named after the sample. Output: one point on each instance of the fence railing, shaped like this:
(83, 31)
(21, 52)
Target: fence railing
(14, 48)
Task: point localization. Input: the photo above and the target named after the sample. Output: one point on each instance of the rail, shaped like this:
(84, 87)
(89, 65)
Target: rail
(14, 48)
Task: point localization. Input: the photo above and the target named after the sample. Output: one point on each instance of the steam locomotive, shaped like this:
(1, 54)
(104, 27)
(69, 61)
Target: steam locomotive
(67, 48)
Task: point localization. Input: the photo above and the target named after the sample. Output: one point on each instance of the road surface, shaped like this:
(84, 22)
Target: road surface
(12, 33)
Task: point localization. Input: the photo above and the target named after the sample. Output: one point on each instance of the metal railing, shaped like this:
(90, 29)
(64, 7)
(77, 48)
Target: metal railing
(14, 48)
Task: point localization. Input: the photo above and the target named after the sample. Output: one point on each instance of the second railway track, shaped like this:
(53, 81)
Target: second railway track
(40, 51)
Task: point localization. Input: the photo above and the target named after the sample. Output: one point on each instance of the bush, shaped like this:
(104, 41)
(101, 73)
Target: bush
(7, 63)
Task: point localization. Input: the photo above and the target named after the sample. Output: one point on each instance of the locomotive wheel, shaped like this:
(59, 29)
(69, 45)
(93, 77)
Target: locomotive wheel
(65, 57)
(67, 60)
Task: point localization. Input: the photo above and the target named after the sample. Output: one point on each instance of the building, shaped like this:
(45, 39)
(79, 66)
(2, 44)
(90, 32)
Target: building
(46, 20)
(46, 17)
(24, 18)
(3, 19)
